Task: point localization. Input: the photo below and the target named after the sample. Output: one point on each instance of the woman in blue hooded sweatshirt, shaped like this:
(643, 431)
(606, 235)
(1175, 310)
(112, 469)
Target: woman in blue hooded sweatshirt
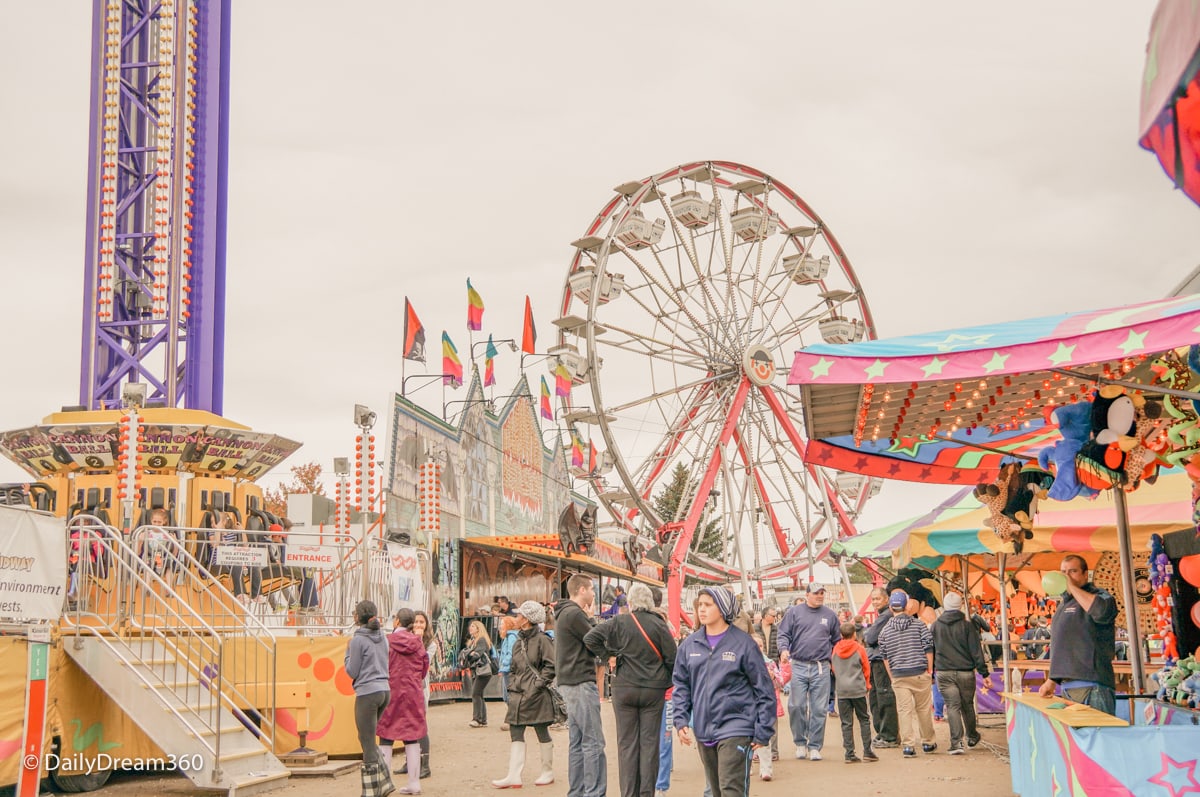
(367, 666)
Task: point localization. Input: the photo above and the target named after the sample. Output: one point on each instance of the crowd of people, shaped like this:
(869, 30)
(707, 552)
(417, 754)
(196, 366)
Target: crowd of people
(722, 688)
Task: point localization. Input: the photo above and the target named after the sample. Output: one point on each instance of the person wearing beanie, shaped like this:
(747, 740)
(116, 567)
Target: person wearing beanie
(724, 701)
(907, 646)
(957, 656)
(807, 635)
(530, 702)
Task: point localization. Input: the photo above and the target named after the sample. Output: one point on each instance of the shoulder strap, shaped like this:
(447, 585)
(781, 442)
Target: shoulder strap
(646, 636)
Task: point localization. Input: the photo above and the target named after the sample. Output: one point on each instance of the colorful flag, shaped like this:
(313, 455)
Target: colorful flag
(576, 452)
(474, 309)
(562, 382)
(489, 372)
(452, 370)
(591, 457)
(414, 334)
(547, 413)
(529, 336)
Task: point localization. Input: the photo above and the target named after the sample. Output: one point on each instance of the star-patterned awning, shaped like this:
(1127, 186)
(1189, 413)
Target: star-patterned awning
(947, 407)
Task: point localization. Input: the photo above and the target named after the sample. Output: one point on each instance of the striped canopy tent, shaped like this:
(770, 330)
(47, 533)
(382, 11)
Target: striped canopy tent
(886, 542)
(950, 407)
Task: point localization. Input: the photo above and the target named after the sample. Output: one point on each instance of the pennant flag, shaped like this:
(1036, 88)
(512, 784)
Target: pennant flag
(591, 457)
(452, 370)
(576, 452)
(562, 382)
(547, 413)
(489, 372)
(474, 309)
(414, 334)
(529, 336)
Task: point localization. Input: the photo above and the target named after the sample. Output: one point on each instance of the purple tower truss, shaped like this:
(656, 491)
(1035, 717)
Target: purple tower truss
(154, 286)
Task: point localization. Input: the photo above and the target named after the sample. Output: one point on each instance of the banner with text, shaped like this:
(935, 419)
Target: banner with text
(33, 565)
(408, 585)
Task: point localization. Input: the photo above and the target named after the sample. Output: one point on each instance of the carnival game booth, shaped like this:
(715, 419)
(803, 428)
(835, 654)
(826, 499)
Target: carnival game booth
(1081, 403)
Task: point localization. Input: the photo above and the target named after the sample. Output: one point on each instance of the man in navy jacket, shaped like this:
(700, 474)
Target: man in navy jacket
(724, 699)
(806, 638)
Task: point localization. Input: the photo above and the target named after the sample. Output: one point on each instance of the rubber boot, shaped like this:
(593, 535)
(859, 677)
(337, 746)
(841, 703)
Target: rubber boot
(516, 762)
(424, 765)
(385, 752)
(412, 754)
(547, 776)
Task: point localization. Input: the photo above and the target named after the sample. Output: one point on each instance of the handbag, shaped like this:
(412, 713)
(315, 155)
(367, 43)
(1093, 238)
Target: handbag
(376, 780)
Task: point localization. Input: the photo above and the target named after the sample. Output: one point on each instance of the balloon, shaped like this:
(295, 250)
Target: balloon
(1189, 569)
(1054, 582)
(1196, 613)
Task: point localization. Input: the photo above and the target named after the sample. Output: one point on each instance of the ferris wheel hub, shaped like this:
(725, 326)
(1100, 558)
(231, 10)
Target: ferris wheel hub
(759, 365)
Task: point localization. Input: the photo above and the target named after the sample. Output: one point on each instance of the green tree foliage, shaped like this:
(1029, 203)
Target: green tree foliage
(858, 571)
(707, 541)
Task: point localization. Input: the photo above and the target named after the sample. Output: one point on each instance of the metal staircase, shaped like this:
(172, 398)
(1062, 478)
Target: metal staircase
(187, 662)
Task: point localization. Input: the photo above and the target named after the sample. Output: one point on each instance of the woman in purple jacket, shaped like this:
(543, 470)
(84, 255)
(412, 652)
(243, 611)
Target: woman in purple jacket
(404, 717)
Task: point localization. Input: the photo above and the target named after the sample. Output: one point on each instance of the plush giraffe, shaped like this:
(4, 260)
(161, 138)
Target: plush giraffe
(995, 498)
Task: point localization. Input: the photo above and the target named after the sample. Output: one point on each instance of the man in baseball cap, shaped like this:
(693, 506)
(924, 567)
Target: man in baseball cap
(806, 638)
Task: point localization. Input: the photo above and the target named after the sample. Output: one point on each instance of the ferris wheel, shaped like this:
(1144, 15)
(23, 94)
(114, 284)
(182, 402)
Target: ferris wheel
(685, 299)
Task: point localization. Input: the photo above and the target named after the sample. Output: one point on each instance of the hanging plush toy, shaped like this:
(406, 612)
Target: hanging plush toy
(995, 497)
(1122, 425)
(1074, 423)
(1032, 484)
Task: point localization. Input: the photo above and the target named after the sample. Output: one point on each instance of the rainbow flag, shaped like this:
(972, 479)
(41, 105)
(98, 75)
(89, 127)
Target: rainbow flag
(452, 370)
(576, 451)
(474, 308)
(562, 382)
(489, 371)
(414, 334)
(547, 413)
(529, 334)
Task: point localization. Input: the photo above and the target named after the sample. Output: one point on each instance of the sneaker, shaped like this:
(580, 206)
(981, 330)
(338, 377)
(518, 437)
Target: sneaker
(870, 757)
(851, 758)
(766, 776)
(884, 744)
(928, 748)
(972, 741)
(957, 749)
(504, 726)
(801, 754)
(909, 752)
(475, 724)
(814, 755)
(660, 793)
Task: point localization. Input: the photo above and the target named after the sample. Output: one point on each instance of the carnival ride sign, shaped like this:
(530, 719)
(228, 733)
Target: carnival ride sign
(241, 556)
(313, 557)
(33, 565)
(408, 585)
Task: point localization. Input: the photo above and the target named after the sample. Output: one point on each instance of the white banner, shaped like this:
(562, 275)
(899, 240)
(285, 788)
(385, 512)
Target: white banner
(408, 583)
(33, 565)
(241, 556)
(313, 557)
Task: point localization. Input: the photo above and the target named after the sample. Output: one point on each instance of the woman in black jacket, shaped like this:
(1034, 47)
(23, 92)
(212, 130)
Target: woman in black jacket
(645, 652)
(476, 658)
(529, 700)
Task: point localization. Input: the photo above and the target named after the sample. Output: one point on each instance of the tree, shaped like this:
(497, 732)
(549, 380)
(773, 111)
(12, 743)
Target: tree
(707, 540)
(858, 572)
(305, 479)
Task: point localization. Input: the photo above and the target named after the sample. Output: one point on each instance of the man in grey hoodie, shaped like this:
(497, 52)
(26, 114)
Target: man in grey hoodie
(957, 656)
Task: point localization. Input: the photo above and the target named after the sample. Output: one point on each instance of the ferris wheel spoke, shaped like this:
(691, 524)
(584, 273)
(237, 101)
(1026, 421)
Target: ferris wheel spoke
(672, 295)
(788, 279)
(669, 441)
(650, 345)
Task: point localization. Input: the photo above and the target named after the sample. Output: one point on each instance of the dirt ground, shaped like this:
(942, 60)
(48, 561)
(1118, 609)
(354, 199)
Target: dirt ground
(465, 759)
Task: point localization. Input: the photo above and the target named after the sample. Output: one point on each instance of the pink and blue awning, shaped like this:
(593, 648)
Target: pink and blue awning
(950, 406)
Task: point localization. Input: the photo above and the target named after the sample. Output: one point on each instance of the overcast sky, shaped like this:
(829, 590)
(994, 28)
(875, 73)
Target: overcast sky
(977, 162)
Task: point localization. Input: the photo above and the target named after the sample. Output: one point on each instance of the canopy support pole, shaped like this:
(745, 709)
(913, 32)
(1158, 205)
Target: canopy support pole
(1127, 591)
(1005, 653)
(1138, 386)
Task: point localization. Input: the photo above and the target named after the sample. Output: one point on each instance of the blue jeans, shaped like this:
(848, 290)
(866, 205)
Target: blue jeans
(808, 703)
(1101, 698)
(587, 766)
(666, 751)
(939, 702)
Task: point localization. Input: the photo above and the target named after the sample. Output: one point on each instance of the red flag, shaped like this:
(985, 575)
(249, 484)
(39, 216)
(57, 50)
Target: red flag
(414, 334)
(591, 457)
(529, 337)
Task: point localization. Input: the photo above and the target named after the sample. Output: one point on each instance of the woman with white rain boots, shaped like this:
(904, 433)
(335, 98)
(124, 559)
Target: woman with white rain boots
(529, 699)
(404, 717)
